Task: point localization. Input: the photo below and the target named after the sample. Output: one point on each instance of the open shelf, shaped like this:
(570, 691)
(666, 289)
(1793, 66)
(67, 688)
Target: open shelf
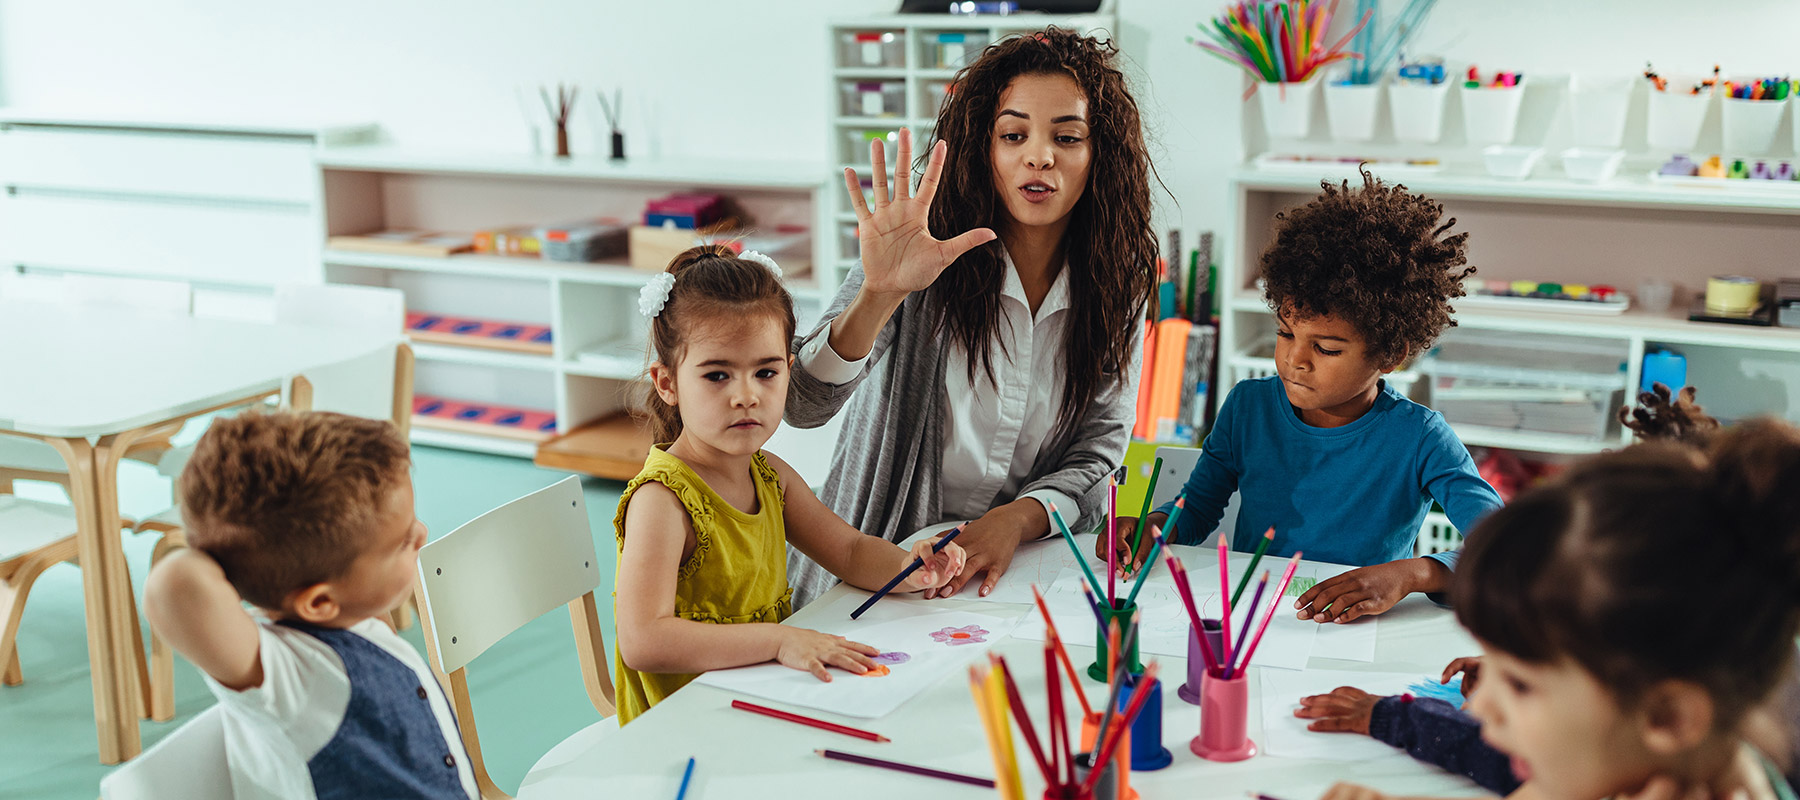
(614, 447)
(1630, 188)
(482, 356)
(1483, 436)
(455, 440)
(675, 172)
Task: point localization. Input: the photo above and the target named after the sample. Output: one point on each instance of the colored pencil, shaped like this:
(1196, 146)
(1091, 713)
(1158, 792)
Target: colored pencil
(1117, 733)
(1057, 751)
(1261, 547)
(870, 761)
(686, 776)
(1249, 617)
(1170, 525)
(1112, 698)
(1225, 592)
(1079, 558)
(1187, 600)
(1112, 544)
(1150, 560)
(846, 730)
(997, 696)
(1062, 654)
(1287, 575)
(1137, 538)
(1094, 603)
(985, 709)
(1017, 703)
(917, 562)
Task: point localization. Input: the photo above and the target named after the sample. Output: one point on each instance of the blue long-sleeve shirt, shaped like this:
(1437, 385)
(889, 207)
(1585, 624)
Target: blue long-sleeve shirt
(1354, 494)
(1436, 732)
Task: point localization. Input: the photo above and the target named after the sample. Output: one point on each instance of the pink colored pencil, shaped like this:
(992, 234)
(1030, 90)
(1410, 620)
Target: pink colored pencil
(1249, 617)
(1187, 599)
(1280, 591)
(1224, 594)
(1112, 544)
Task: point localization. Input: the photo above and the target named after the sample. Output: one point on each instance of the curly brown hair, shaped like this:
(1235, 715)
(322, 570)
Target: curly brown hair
(1110, 246)
(287, 500)
(1662, 417)
(712, 284)
(1375, 257)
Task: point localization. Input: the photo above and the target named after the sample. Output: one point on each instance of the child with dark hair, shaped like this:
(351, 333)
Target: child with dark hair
(703, 529)
(1339, 463)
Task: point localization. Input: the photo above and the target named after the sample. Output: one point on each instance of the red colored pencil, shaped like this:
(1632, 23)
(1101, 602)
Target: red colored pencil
(928, 772)
(1187, 599)
(803, 720)
(1058, 750)
(1117, 732)
(1018, 708)
(1062, 654)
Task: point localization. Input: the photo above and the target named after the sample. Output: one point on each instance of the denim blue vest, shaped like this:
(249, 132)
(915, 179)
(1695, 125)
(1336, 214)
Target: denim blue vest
(389, 744)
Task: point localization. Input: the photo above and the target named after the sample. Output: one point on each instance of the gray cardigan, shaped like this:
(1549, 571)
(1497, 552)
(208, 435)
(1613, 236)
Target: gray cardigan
(888, 462)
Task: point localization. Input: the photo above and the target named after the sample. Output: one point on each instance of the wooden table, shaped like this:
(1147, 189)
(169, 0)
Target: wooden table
(91, 384)
(742, 755)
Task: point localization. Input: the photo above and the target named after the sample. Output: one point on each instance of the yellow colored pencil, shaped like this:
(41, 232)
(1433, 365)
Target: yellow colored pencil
(978, 689)
(1003, 720)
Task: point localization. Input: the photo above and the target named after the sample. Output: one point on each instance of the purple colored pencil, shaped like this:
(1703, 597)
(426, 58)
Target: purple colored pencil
(837, 755)
(1249, 617)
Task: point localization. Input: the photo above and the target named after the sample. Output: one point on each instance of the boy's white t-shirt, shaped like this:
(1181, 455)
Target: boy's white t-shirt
(272, 731)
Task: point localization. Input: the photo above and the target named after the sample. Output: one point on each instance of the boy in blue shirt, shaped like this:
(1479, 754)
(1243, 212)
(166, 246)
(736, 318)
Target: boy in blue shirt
(1341, 465)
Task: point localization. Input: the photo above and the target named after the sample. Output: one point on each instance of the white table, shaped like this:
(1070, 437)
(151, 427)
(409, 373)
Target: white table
(742, 755)
(90, 384)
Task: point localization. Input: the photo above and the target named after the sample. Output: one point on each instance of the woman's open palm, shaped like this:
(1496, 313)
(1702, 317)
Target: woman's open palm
(899, 254)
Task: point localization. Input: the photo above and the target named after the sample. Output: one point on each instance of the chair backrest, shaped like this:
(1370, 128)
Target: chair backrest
(371, 386)
(148, 296)
(188, 764)
(1178, 464)
(497, 572)
(505, 568)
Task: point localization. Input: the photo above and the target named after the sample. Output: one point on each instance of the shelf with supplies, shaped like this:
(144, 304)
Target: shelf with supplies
(1646, 240)
(553, 310)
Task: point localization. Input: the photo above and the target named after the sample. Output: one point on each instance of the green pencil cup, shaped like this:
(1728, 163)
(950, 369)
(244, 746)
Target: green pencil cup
(1122, 614)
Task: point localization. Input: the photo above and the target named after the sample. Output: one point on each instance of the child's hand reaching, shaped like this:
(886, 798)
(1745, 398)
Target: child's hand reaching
(812, 651)
(1470, 667)
(1124, 529)
(1346, 708)
(939, 567)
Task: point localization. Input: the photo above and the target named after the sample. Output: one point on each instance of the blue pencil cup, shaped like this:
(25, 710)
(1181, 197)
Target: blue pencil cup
(1147, 751)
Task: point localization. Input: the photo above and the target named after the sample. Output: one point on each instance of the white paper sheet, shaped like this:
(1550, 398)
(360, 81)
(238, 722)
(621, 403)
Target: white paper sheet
(917, 652)
(1286, 736)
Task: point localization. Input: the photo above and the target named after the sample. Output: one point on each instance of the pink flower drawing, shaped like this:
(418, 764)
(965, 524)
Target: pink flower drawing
(967, 634)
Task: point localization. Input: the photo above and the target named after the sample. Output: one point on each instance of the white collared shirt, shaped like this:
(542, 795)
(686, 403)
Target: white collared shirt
(993, 431)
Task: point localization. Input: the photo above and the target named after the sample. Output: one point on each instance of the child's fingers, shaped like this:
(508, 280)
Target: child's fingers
(862, 648)
(850, 661)
(1333, 725)
(817, 668)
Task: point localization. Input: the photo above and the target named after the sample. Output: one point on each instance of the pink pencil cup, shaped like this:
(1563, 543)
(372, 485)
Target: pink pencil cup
(1196, 662)
(1224, 719)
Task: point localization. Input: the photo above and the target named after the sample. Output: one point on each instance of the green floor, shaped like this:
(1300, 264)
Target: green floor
(528, 692)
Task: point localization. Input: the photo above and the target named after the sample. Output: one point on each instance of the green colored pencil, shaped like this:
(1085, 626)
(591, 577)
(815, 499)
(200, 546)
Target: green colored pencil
(1151, 559)
(1137, 538)
(1079, 558)
(1261, 547)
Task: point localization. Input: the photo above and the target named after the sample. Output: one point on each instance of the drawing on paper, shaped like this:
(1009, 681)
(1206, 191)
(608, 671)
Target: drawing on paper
(892, 658)
(967, 634)
(1299, 586)
(877, 671)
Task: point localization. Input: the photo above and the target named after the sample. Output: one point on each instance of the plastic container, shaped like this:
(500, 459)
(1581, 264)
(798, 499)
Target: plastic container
(1196, 659)
(1591, 163)
(1529, 382)
(849, 246)
(1511, 161)
(872, 98)
(1121, 614)
(1224, 719)
(1353, 110)
(936, 92)
(1287, 108)
(856, 145)
(949, 49)
(1121, 760)
(872, 49)
(1417, 111)
(1597, 107)
(1674, 120)
(1747, 127)
(1491, 114)
(1147, 751)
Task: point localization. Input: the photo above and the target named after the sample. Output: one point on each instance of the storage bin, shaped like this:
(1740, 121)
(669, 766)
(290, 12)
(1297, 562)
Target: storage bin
(1491, 114)
(1287, 108)
(872, 49)
(1748, 127)
(1417, 111)
(936, 92)
(1674, 120)
(950, 49)
(1529, 382)
(1352, 111)
(856, 145)
(1597, 107)
(873, 98)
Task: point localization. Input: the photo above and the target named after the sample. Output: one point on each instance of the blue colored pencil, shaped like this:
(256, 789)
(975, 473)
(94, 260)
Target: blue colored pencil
(910, 569)
(685, 777)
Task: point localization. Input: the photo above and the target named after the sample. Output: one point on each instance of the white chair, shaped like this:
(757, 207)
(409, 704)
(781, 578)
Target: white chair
(1178, 464)
(497, 572)
(34, 536)
(188, 764)
(377, 386)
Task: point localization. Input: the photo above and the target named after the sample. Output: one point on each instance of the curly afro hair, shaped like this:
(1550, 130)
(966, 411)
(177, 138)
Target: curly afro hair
(1375, 257)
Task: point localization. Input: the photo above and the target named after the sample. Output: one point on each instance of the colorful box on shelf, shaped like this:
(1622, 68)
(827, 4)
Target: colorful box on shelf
(509, 240)
(468, 332)
(483, 418)
(584, 240)
(1526, 295)
(690, 211)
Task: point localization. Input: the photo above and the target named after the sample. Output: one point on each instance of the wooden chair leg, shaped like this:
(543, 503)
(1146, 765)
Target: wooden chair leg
(13, 591)
(162, 659)
(401, 617)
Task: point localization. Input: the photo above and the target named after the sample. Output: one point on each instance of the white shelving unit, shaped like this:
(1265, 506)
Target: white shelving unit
(1618, 233)
(589, 307)
(906, 51)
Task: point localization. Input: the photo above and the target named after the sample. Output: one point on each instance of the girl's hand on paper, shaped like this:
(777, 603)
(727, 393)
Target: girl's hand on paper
(1345, 709)
(939, 567)
(899, 254)
(812, 651)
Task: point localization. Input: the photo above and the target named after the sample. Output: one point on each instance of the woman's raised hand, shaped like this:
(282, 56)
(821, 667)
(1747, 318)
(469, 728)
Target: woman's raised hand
(899, 254)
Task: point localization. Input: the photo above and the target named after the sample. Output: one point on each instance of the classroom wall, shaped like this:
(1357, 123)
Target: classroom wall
(729, 78)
